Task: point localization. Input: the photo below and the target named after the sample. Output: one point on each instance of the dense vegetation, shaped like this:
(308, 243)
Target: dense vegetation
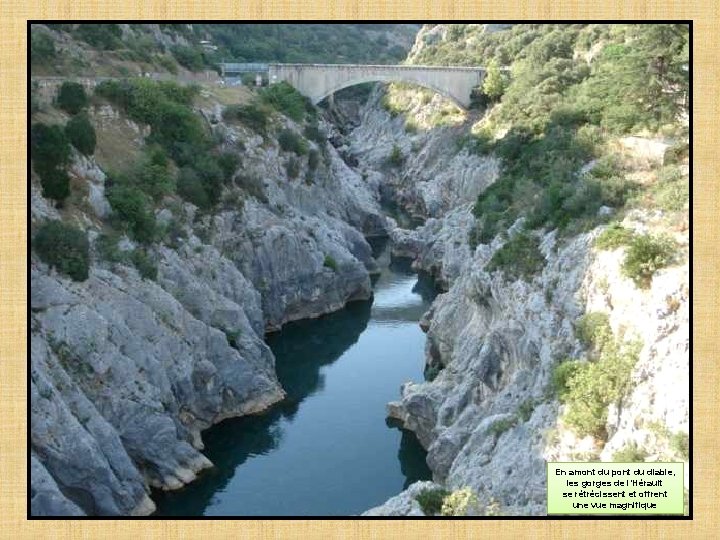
(317, 43)
(139, 44)
(518, 257)
(587, 388)
(559, 108)
(63, 247)
(178, 132)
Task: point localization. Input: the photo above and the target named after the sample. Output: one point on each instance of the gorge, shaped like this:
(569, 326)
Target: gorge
(234, 293)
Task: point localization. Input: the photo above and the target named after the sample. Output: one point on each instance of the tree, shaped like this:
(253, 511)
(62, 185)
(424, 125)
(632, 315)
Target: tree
(48, 146)
(50, 153)
(81, 133)
(495, 81)
(71, 97)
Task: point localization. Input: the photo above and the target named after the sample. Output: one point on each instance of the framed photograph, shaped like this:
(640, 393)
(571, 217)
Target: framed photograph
(298, 275)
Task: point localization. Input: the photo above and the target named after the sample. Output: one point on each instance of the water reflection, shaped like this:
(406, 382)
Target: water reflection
(230, 443)
(326, 449)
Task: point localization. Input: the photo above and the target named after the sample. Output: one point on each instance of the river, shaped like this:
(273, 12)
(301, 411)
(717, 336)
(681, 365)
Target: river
(327, 449)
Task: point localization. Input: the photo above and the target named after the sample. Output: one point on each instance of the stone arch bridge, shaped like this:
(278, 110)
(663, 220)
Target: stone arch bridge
(318, 81)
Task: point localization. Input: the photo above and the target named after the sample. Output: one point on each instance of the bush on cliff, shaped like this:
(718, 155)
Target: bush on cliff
(287, 100)
(134, 210)
(253, 116)
(645, 255)
(520, 257)
(72, 97)
(81, 133)
(290, 141)
(431, 500)
(50, 153)
(63, 247)
(588, 388)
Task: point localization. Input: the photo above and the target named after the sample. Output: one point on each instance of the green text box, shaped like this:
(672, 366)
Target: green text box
(594, 488)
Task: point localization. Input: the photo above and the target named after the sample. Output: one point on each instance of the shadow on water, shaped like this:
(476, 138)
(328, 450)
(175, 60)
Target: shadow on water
(325, 449)
(230, 443)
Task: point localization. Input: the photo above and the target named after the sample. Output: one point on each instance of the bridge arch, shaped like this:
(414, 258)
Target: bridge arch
(410, 80)
(317, 81)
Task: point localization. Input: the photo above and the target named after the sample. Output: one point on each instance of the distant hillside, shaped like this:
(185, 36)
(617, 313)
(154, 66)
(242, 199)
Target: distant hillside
(122, 49)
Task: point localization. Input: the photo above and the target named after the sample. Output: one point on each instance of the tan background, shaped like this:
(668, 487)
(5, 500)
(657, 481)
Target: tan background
(13, 260)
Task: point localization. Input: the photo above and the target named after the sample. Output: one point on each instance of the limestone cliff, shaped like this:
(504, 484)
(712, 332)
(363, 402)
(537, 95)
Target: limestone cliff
(127, 371)
(490, 418)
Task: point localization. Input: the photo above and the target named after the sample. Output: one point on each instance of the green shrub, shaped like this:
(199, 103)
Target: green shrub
(613, 237)
(292, 167)
(166, 107)
(49, 147)
(290, 141)
(145, 265)
(431, 372)
(672, 190)
(593, 329)
(593, 386)
(461, 502)
(495, 82)
(431, 500)
(134, 208)
(520, 257)
(167, 63)
(104, 36)
(630, 453)
(526, 409)
(71, 97)
(50, 153)
(253, 116)
(313, 159)
(190, 187)
(562, 373)
(63, 247)
(178, 130)
(287, 100)
(188, 57)
(153, 175)
(228, 163)
(680, 444)
(211, 176)
(330, 263)
(81, 133)
(501, 426)
(55, 184)
(645, 255)
(42, 47)
(396, 157)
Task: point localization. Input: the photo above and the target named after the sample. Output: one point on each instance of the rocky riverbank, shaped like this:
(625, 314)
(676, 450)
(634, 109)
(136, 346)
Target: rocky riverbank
(490, 418)
(127, 371)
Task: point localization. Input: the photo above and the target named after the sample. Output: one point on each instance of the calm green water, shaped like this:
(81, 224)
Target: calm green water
(327, 449)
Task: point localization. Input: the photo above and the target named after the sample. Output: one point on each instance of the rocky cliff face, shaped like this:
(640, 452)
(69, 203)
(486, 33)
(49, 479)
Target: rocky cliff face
(434, 177)
(126, 372)
(489, 418)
